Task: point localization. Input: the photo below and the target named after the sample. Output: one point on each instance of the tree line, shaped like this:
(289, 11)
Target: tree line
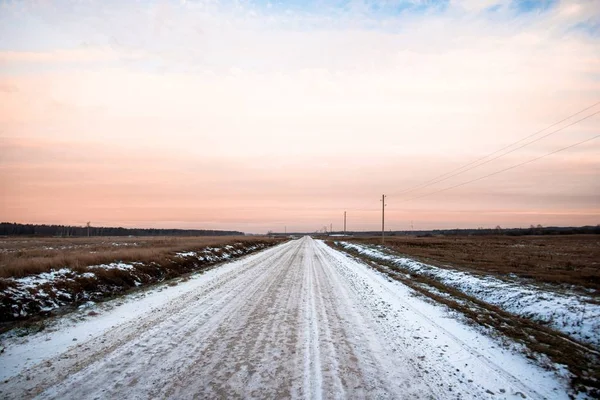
(497, 231)
(532, 230)
(15, 229)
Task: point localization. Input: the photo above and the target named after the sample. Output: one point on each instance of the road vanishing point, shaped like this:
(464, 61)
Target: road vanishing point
(298, 320)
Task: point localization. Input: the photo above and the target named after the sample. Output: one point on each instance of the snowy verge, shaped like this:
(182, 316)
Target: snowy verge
(92, 320)
(458, 356)
(40, 294)
(307, 320)
(576, 315)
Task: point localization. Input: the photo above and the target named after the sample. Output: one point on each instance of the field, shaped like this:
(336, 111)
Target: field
(522, 303)
(21, 257)
(299, 320)
(569, 259)
(40, 276)
(541, 292)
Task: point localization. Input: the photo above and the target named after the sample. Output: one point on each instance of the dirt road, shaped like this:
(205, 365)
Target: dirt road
(299, 320)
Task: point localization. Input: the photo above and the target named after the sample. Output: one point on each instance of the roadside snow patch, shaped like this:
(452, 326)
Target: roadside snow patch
(186, 254)
(117, 265)
(574, 314)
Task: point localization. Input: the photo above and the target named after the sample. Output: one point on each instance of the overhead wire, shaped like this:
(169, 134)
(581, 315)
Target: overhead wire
(502, 170)
(461, 170)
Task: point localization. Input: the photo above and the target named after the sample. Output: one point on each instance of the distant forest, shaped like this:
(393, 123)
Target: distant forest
(532, 230)
(12, 229)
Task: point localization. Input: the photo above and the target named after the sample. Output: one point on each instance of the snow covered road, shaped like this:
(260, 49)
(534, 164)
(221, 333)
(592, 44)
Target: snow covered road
(299, 320)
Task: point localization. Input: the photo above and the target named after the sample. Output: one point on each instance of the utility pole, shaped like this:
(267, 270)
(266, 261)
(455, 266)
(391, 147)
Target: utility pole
(344, 222)
(383, 196)
(330, 228)
(88, 227)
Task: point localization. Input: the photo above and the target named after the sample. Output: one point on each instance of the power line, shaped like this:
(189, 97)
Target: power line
(502, 170)
(462, 169)
(511, 151)
(436, 180)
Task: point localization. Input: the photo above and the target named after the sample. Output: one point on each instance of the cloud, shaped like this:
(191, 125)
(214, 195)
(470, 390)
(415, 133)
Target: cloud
(65, 56)
(6, 87)
(182, 111)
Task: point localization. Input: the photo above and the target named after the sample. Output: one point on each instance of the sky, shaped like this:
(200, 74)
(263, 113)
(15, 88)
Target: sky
(270, 115)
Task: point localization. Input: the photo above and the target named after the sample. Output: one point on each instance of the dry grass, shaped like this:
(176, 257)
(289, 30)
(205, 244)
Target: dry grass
(573, 259)
(582, 362)
(151, 260)
(27, 256)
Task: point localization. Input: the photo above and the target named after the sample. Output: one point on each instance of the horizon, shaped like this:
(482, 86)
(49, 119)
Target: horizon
(318, 232)
(256, 116)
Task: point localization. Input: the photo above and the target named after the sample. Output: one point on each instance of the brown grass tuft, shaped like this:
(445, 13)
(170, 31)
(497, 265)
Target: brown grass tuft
(29, 256)
(583, 362)
(572, 259)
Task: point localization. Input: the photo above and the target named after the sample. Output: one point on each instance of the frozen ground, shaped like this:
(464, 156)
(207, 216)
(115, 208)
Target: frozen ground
(48, 291)
(299, 320)
(571, 313)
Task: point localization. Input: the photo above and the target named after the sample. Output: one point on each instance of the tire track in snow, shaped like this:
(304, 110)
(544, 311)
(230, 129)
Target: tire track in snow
(125, 340)
(378, 285)
(375, 377)
(240, 344)
(299, 320)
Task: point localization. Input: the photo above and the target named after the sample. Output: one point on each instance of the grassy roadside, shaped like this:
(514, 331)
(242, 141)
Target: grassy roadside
(538, 341)
(41, 277)
(565, 260)
(21, 257)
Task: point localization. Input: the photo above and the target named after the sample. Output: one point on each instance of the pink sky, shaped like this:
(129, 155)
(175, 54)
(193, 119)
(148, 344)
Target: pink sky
(253, 118)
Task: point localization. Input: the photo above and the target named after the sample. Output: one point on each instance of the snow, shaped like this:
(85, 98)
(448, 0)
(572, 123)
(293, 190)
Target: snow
(299, 320)
(187, 254)
(59, 337)
(572, 313)
(116, 265)
(428, 324)
(24, 297)
(86, 305)
(43, 278)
